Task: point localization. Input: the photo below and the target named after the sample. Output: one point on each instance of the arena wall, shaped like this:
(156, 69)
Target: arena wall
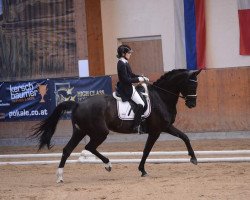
(223, 105)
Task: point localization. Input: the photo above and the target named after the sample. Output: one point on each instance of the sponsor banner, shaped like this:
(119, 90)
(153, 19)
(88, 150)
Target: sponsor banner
(36, 99)
(26, 100)
(78, 89)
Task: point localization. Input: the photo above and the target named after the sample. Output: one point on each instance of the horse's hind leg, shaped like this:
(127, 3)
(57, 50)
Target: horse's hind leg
(75, 139)
(175, 132)
(92, 146)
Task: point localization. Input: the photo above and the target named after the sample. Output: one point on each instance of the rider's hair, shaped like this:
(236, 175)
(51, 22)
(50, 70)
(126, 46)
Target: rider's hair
(122, 50)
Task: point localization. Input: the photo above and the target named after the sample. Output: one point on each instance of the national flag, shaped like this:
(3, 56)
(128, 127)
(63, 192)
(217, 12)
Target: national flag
(190, 34)
(244, 25)
(1, 7)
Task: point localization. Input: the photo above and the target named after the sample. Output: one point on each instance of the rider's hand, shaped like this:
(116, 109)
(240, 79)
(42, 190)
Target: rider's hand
(141, 79)
(146, 79)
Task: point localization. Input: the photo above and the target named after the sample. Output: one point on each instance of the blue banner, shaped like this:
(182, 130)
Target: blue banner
(36, 99)
(1, 7)
(78, 89)
(27, 100)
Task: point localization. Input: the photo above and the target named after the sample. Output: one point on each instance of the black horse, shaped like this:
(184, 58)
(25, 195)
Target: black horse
(96, 115)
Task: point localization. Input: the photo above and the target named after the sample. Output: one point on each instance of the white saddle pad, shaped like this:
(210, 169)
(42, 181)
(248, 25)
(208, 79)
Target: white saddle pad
(126, 113)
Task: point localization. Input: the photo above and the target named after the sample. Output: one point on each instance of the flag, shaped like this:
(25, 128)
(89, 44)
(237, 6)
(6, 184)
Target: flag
(1, 7)
(190, 34)
(244, 25)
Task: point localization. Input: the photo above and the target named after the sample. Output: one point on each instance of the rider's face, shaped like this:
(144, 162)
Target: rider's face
(127, 55)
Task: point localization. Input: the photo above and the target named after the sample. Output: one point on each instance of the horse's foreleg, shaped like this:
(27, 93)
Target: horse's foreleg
(148, 146)
(175, 132)
(67, 150)
(92, 146)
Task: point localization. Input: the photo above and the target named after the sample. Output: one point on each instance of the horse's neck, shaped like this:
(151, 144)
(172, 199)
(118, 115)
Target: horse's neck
(170, 82)
(170, 100)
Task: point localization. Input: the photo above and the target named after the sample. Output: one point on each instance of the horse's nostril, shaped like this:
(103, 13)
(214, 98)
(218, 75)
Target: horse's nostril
(190, 105)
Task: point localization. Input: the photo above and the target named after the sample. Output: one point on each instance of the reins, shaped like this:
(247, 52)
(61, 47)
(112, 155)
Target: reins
(166, 91)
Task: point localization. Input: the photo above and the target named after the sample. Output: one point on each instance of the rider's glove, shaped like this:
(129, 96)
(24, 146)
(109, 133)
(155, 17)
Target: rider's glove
(141, 79)
(146, 79)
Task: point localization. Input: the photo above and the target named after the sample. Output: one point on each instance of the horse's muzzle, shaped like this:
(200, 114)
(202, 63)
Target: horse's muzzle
(190, 101)
(190, 104)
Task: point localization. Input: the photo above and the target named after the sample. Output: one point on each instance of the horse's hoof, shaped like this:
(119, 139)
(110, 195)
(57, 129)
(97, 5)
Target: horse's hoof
(144, 174)
(59, 181)
(108, 169)
(194, 161)
(59, 175)
(108, 166)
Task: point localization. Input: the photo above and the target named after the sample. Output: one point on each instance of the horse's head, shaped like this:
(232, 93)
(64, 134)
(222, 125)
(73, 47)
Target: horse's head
(189, 87)
(178, 81)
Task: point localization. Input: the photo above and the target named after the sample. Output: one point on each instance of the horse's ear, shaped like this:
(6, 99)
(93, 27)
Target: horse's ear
(194, 72)
(197, 72)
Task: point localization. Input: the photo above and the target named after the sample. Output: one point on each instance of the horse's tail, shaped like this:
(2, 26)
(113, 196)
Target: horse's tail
(46, 128)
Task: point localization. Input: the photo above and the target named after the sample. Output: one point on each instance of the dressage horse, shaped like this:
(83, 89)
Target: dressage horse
(97, 115)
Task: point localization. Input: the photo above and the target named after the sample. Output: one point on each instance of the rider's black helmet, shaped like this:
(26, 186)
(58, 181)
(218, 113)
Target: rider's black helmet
(123, 49)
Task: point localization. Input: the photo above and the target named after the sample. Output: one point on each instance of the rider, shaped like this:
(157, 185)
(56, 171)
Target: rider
(125, 87)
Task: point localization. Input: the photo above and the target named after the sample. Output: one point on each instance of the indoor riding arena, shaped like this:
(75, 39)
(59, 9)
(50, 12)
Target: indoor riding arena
(58, 72)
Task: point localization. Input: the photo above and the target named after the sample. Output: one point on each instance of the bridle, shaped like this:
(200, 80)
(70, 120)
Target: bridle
(167, 91)
(183, 97)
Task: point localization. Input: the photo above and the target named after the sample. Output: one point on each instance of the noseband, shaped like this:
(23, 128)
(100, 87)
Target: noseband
(191, 95)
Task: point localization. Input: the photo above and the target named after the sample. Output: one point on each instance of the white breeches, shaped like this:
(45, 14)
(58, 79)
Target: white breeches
(136, 97)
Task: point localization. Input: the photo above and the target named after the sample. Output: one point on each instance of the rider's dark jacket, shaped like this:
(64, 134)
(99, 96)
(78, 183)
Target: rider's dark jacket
(126, 78)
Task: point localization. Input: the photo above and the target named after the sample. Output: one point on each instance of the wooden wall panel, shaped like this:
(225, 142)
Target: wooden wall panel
(94, 37)
(81, 30)
(223, 102)
(147, 58)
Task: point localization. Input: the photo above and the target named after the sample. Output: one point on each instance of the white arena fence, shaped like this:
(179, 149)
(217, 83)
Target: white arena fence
(127, 157)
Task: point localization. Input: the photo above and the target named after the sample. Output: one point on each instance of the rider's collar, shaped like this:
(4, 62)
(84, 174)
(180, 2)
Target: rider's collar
(123, 60)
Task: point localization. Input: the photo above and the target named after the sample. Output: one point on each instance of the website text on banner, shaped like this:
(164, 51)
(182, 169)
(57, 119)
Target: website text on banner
(36, 99)
(25, 100)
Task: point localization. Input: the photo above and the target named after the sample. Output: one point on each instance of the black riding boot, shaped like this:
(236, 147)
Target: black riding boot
(138, 120)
